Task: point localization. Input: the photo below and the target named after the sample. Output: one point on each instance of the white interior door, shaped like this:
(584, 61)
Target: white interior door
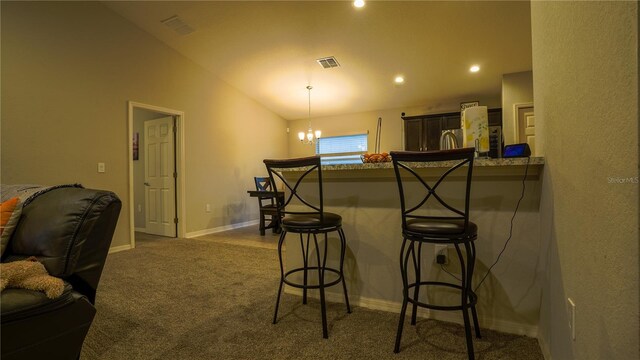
(530, 131)
(159, 177)
(526, 127)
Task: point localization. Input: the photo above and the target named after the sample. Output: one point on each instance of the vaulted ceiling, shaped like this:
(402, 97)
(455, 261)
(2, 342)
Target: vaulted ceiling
(268, 50)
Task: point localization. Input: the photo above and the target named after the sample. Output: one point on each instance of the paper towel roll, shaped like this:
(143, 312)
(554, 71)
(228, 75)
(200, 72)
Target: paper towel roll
(475, 125)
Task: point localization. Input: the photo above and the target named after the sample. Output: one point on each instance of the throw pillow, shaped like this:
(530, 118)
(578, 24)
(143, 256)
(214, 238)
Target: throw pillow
(9, 214)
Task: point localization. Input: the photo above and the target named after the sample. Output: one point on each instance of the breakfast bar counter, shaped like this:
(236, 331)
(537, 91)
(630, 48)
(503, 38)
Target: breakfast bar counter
(482, 167)
(366, 196)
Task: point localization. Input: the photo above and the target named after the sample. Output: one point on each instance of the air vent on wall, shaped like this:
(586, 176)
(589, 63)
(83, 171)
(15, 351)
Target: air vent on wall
(177, 25)
(328, 62)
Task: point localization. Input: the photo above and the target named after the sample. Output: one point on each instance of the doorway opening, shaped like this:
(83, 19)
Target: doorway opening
(156, 171)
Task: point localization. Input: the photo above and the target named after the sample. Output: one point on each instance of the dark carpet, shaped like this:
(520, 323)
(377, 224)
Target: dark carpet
(213, 298)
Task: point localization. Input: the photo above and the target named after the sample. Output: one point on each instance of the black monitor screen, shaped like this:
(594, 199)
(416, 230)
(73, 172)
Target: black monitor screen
(515, 150)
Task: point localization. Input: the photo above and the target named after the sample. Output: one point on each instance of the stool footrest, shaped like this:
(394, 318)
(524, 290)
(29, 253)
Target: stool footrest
(312, 286)
(471, 300)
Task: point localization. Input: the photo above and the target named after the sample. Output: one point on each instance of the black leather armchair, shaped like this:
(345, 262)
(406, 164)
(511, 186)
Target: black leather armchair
(69, 230)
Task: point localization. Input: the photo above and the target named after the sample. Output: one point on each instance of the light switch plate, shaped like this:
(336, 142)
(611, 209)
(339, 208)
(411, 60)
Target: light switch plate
(101, 167)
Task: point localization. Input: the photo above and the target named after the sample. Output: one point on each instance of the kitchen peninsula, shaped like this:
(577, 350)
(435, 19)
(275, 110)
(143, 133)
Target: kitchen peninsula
(366, 196)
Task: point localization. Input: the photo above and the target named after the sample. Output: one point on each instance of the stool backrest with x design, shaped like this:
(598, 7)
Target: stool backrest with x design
(309, 174)
(407, 162)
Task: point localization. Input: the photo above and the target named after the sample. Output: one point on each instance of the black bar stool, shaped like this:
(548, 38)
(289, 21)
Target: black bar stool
(307, 216)
(436, 222)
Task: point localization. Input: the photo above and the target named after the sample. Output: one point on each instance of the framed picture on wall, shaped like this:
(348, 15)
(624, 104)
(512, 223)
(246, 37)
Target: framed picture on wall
(136, 144)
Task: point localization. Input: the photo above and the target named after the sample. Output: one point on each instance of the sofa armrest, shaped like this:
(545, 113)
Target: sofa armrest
(36, 327)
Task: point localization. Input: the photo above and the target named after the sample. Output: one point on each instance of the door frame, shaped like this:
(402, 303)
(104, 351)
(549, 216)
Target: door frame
(180, 165)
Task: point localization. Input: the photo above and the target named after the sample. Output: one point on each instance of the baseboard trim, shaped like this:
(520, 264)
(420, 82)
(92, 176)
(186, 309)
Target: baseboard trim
(448, 316)
(140, 229)
(116, 249)
(221, 229)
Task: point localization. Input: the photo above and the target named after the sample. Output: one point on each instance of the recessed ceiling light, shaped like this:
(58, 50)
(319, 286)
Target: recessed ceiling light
(474, 68)
(358, 3)
(399, 79)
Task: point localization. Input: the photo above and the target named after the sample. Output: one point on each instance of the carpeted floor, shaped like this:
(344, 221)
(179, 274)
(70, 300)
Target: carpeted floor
(213, 298)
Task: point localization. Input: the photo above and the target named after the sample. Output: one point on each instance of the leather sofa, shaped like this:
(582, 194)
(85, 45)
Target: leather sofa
(69, 230)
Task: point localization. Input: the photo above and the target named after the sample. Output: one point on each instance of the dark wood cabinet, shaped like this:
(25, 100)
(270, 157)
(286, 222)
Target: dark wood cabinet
(450, 121)
(414, 140)
(422, 132)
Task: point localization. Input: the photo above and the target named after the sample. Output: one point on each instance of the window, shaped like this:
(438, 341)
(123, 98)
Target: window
(344, 149)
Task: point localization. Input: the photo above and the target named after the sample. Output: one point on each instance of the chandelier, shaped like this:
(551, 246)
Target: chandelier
(308, 138)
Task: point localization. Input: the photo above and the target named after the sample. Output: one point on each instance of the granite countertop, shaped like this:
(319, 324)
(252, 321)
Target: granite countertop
(485, 166)
(479, 162)
(476, 162)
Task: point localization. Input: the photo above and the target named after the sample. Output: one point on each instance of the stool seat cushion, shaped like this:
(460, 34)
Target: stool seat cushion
(312, 220)
(441, 228)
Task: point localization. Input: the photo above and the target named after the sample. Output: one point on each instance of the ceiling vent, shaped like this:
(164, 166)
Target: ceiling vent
(328, 62)
(177, 25)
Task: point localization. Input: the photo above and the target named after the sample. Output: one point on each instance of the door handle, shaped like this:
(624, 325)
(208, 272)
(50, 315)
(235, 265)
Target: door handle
(147, 184)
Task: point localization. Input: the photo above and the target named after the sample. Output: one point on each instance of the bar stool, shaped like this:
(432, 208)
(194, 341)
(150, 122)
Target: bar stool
(432, 220)
(306, 216)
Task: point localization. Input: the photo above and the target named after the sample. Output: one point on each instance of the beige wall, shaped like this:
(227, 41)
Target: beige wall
(392, 127)
(350, 124)
(585, 67)
(68, 70)
(517, 88)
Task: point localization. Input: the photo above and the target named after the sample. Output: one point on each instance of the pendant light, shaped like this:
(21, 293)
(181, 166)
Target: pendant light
(308, 138)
